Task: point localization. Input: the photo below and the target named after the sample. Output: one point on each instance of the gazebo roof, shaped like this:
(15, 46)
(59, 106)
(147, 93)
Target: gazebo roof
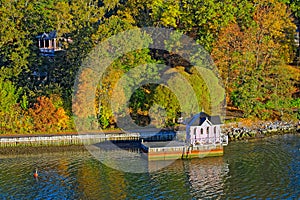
(48, 36)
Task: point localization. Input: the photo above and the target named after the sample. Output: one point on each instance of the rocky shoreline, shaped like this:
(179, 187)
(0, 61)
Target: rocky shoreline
(236, 131)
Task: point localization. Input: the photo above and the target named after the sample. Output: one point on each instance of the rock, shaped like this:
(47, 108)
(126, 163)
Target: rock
(261, 130)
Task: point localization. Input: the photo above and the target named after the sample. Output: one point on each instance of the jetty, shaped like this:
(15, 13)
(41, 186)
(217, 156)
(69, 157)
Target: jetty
(179, 150)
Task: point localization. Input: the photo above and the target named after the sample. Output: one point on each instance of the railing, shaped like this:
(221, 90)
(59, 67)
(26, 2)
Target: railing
(50, 49)
(223, 140)
(206, 140)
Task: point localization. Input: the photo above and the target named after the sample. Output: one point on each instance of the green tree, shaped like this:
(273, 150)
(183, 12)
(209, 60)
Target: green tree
(14, 44)
(251, 60)
(13, 118)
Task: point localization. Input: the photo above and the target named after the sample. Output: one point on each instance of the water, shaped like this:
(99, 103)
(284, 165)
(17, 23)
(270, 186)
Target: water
(265, 169)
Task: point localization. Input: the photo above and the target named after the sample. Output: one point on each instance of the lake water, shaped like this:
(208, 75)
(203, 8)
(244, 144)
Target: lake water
(268, 168)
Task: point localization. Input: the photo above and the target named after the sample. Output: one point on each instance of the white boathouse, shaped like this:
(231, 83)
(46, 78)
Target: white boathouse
(203, 129)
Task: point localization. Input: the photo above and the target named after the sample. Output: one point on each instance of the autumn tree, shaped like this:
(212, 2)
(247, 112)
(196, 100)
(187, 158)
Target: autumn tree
(250, 41)
(250, 59)
(48, 118)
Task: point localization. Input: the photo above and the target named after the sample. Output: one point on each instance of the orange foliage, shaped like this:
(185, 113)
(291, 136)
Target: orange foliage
(46, 117)
(248, 122)
(83, 102)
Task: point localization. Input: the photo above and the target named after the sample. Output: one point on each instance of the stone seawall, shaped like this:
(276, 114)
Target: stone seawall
(259, 130)
(81, 139)
(53, 140)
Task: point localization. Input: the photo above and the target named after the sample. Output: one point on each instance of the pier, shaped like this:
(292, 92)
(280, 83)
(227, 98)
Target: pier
(172, 150)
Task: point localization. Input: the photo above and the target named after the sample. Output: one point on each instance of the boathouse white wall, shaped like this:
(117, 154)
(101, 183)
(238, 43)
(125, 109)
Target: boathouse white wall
(204, 133)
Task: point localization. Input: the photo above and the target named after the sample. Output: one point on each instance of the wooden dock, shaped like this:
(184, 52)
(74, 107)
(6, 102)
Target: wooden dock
(173, 150)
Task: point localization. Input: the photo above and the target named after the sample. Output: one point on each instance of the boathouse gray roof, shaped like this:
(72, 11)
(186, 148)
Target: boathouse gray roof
(198, 119)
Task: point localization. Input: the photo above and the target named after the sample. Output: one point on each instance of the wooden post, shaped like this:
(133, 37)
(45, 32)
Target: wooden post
(54, 43)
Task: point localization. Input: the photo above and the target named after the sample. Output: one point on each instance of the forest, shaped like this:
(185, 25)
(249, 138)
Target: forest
(252, 44)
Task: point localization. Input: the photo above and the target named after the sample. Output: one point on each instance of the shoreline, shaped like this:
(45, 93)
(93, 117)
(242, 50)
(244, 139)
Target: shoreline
(236, 131)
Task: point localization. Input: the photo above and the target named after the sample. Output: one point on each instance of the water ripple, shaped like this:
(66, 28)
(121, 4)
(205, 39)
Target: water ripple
(266, 169)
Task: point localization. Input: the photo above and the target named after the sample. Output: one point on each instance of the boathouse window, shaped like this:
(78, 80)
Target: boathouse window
(195, 132)
(201, 131)
(207, 130)
(215, 130)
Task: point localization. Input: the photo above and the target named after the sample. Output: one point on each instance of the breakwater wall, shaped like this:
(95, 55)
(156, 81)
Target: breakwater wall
(260, 130)
(82, 139)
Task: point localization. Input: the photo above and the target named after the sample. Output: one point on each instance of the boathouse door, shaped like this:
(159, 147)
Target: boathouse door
(215, 134)
(207, 132)
(195, 135)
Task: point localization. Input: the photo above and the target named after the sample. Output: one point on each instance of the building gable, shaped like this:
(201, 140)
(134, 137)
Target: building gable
(205, 123)
(200, 118)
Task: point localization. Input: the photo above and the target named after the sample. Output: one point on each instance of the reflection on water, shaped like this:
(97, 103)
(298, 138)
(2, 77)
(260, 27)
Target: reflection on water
(126, 157)
(263, 169)
(206, 177)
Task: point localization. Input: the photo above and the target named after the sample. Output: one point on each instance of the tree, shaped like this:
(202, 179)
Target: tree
(46, 117)
(294, 6)
(13, 117)
(14, 44)
(250, 59)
